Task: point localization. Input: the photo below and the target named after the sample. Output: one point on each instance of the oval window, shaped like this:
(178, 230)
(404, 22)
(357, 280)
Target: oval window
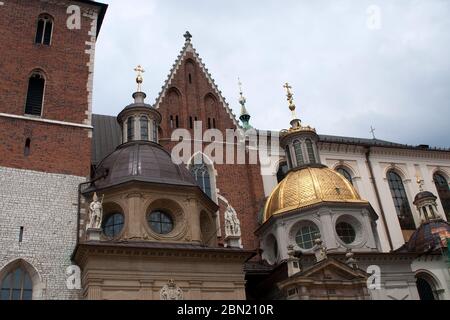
(346, 232)
(113, 225)
(160, 222)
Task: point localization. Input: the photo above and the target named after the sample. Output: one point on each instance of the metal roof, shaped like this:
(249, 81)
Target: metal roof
(106, 137)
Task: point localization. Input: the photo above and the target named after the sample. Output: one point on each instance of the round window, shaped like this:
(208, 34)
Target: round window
(160, 222)
(113, 225)
(346, 232)
(306, 235)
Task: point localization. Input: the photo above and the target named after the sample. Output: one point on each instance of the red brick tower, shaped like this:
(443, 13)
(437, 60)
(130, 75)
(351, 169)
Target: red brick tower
(46, 66)
(190, 94)
(46, 74)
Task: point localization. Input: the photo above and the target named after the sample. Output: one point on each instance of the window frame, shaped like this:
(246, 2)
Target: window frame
(107, 218)
(41, 75)
(161, 214)
(25, 276)
(406, 223)
(46, 18)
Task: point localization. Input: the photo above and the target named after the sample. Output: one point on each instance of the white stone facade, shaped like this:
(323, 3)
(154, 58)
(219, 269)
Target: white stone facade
(45, 205)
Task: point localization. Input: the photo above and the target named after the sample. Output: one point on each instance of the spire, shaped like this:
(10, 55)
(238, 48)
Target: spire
(245, 116)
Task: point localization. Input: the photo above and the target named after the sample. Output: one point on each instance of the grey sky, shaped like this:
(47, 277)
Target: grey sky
(345, 76)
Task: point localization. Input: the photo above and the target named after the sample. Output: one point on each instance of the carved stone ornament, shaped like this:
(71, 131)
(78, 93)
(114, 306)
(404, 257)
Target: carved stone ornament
(171, 292)
(95, 213)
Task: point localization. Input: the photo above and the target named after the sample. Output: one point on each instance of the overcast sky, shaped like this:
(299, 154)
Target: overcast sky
(349, 71)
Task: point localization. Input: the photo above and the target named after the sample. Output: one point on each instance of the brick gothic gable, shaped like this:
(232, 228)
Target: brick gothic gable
(190, 93)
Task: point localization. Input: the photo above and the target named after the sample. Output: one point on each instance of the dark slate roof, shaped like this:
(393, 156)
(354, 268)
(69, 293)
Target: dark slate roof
(142, 161)
(106, 137)
(360, 141)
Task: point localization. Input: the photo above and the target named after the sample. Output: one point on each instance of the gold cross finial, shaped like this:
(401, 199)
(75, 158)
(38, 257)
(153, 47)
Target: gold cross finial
(290, 98)
(139, 78)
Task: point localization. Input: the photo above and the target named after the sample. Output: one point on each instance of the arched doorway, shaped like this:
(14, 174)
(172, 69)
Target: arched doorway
(426, 287)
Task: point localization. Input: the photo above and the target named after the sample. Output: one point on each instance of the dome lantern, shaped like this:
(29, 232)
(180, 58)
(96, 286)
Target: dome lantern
(139, 121)
(299, 142)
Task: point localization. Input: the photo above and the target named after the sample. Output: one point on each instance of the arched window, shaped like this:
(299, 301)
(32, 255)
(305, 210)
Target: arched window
(309, 148)
(345, 173)
(130, 129)
(444, 192)
(201, 175)
(144, 128)
(17, 285)
(298, 153)
(400, 201)
(282, 170)
(35, 94)
(425, 289)
(155, 131)
(44, 30)
(288, 156)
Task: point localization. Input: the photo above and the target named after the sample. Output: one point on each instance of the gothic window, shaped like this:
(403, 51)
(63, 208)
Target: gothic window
(345, 173)
(298, 153)
(171, 122)
(144, 128)
(401, 202)
(214, 123)
(209, 123)
(191, 123)
(443, 192)
(190, 78)
(176, 122)
(306, 235)
(282, 170)
(201, 175)
(113, 225)
(44, 30)
(17, 285)
(160, 222)
(309, 148)
(130, 129)
(35, 94)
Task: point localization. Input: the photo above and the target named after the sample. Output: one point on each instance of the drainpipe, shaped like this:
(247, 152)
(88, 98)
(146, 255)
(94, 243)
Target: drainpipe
(369, 165)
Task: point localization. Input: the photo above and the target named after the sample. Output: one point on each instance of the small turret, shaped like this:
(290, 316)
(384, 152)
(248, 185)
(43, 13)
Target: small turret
(139, 121)
(299, 142)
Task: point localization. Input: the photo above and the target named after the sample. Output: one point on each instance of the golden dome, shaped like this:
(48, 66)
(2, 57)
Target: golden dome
(309, 186)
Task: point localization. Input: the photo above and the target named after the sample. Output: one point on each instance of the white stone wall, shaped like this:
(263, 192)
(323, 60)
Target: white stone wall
(46, 206)
(409, 163)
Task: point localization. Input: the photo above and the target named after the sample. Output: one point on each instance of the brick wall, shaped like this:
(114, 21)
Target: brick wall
(194, 96)
(67, 65)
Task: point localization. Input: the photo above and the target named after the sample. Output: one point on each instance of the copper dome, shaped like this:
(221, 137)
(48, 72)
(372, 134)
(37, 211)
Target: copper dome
(142, 161)
(429, 236)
